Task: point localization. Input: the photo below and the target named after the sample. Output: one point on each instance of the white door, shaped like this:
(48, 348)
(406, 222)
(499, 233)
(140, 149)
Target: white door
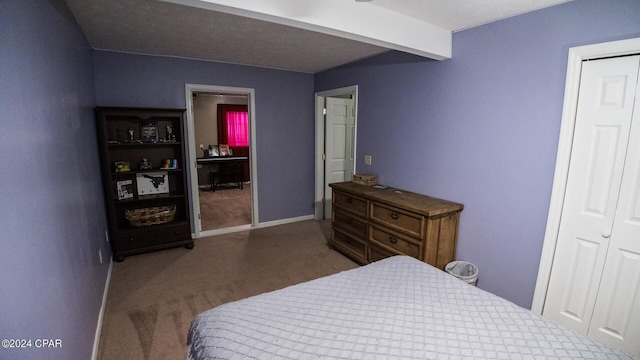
(616, 317)
(590, 263)
(339, 141)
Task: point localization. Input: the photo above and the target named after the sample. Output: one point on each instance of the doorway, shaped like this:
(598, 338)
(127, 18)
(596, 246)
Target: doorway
(222, 174)
(336, 133)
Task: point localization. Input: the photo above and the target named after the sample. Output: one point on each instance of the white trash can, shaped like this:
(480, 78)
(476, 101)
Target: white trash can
(464, 271)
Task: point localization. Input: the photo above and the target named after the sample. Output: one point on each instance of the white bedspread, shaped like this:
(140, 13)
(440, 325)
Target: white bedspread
(396, 308)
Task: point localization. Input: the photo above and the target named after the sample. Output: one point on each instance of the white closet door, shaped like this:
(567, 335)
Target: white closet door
(616, 317)
(605, 108)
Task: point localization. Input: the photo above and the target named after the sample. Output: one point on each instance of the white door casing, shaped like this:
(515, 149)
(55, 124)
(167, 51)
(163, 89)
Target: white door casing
(320, 186)
(339, 140)
(192, 152)
(595, 173)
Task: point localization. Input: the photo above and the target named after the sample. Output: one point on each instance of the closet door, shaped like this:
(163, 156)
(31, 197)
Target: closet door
(601, 136)
(616, 317)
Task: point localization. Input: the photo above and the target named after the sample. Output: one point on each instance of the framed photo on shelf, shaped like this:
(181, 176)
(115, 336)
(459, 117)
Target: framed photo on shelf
(150, 183)
(149, 132)
(213, 151)
(224, 150)
(124, 189)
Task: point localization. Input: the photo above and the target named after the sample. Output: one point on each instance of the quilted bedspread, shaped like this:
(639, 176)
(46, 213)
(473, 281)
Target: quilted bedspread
(396, 308)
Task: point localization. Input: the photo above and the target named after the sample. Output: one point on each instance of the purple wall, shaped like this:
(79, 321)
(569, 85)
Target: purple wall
(51, 211)
(482, 128)
(284, 116)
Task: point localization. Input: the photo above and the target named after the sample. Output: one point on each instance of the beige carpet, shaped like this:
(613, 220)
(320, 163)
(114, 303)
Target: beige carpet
(225, 207)
(153, 297)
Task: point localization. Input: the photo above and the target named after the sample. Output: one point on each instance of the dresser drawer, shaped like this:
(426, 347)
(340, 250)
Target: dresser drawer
(397, 219)
(154, 235)
(349, 223)
(350, 203)
(350, 245)
(394, 241)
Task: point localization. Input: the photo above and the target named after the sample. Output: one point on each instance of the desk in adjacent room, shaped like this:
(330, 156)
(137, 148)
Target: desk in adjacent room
(224, 170)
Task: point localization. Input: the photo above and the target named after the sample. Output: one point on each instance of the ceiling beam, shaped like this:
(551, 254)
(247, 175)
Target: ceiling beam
(359, 21)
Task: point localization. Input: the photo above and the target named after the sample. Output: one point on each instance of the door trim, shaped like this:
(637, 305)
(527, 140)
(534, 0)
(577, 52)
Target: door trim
(572, 84)
(192, 173)
(319, 181)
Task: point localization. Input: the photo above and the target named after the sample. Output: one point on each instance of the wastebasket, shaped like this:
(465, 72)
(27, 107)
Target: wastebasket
(464, 271)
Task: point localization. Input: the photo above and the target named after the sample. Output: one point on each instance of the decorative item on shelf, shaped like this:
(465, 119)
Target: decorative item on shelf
(124, 189)
(145, 164)
(132, 137)
(116, 136)
(213, 151)
(169, 135)
(224, 149)
(122, 166)
(152, 183)
(150, 216)
(365, 179)
(149, 133)
(169, 164)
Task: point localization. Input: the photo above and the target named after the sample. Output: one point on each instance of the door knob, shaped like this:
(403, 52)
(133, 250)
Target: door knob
(606, 233)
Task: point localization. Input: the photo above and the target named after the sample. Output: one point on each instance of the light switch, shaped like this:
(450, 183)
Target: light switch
(367, 159)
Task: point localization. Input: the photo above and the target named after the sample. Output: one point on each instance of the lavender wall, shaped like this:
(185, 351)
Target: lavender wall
(284, 116)
(482, 128)
(51, 213)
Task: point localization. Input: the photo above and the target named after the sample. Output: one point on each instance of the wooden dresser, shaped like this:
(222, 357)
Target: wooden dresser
(370, 224)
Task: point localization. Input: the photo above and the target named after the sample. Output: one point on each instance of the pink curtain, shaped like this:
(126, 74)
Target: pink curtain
(237, 128)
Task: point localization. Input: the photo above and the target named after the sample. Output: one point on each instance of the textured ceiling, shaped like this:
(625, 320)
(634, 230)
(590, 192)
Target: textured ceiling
(161, 28)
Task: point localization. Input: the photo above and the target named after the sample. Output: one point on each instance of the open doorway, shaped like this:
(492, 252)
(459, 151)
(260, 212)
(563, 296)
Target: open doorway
(336, 128)
(222, 157)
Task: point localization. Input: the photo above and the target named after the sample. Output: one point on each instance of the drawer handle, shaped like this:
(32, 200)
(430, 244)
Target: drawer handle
(394, 216)
(393, 240)
(349, 200)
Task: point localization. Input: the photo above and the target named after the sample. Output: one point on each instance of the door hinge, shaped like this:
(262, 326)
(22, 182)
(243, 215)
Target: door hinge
(324, 111)
(199, 216)
(324, 157)
(324, 200)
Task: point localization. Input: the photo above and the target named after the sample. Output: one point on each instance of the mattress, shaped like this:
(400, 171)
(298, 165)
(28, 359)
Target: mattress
(396, 308)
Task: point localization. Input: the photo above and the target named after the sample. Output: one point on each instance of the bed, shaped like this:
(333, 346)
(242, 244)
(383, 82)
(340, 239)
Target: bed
(396, 308)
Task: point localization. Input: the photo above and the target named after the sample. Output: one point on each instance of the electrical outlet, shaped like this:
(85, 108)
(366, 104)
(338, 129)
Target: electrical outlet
(100, 255)
(201, 147)
(367, 159)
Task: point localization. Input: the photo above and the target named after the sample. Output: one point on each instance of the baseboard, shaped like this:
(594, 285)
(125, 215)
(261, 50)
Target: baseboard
(96, 340)
(207, 233)
(285, 221)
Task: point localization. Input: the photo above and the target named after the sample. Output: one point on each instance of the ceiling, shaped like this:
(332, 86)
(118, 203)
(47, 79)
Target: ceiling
(188, 29)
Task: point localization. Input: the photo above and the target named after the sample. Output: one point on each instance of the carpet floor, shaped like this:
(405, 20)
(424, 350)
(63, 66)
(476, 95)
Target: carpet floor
(225, 207)
(153, 297)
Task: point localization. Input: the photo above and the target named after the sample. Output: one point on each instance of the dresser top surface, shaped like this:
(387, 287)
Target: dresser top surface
(423, 204)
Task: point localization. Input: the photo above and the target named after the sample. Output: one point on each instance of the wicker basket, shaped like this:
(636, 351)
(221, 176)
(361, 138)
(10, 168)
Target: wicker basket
(150, 216)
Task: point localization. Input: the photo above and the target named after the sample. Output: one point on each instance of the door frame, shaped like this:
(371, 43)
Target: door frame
(192, 170)
(320, 139)
(572, 84)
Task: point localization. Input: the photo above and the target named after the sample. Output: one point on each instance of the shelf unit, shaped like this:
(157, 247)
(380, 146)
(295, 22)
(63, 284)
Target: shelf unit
(129, 136)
